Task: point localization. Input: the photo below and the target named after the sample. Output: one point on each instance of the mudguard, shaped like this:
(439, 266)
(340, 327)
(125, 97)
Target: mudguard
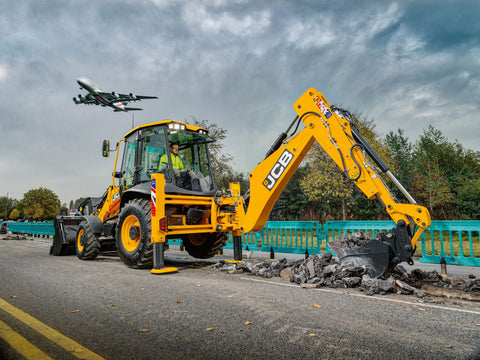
(95, 223)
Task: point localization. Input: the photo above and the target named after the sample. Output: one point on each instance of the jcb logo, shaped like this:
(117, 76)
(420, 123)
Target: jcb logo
(278, 169)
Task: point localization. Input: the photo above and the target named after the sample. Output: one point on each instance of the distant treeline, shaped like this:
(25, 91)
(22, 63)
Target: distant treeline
(440, 174)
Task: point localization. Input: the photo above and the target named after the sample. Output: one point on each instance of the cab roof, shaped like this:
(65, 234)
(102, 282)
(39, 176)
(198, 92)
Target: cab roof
(167, 122)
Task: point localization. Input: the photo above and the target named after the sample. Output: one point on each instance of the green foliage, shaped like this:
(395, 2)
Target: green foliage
(403, 161)
(324, 181)
(361, 208)
(445, 174)
(6, 205)
(40, 204)
(468, 200)
(14, 214)
(439, 174)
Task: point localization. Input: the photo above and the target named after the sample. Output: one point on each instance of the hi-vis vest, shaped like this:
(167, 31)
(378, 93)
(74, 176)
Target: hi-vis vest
(176, 162)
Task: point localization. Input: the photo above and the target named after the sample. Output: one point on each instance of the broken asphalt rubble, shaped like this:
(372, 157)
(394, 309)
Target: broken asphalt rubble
(324, 270)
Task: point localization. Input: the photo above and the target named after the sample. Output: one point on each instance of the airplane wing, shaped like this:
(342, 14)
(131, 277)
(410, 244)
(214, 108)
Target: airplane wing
(111, 97)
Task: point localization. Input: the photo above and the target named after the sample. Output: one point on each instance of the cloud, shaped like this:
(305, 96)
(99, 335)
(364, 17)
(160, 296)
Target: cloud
(4, 72)
(214, 22)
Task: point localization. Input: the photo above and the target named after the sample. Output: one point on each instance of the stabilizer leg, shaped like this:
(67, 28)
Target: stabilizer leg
(159, 260)
(237, 248)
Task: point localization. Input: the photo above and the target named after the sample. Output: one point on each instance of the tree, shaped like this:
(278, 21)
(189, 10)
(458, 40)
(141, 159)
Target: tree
(325, 182)
(14, 215)
(445, 172)
(402, 158)
(6, 205)
(40, 204)
(468, 200)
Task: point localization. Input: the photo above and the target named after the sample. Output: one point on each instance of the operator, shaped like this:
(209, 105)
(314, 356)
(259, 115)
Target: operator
(177, 163)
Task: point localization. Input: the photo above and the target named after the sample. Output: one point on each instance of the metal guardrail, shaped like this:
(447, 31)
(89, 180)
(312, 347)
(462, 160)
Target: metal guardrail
(455, 241)
(458, 242)
(286, 237)
(452, 240)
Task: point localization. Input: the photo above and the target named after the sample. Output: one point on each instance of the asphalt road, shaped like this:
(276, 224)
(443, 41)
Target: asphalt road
(200, 313)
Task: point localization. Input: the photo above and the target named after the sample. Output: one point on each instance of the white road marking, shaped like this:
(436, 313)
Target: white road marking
(370, 297)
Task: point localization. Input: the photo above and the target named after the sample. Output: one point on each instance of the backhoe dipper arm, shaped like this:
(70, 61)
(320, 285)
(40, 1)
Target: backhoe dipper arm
(345, 146)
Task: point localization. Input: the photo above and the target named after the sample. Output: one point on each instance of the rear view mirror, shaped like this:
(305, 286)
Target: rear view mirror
(106, 148)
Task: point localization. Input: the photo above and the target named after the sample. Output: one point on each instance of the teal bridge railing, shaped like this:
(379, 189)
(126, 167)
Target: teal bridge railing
(32, 228)
(455, 241)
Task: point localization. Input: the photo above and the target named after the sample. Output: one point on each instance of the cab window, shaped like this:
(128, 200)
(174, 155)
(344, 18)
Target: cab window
(128, 165)
(153, 148)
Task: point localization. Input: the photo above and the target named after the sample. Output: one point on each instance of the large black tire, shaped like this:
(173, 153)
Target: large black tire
(204, 245)
(133, 234)
(87, 244)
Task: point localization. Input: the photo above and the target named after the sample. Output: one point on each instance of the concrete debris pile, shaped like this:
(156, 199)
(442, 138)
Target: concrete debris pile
(326, 271)
(419, 278)
(352, 241)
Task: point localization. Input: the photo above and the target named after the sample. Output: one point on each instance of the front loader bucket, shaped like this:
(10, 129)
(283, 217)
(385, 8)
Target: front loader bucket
(375, 254)
(65, 235)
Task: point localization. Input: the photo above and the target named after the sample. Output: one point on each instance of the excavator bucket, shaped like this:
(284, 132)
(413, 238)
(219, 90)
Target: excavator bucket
(380, 255)
(375, 254)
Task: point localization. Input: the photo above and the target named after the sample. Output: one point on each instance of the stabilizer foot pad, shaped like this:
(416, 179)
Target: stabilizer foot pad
(234, 261)
(165, 270)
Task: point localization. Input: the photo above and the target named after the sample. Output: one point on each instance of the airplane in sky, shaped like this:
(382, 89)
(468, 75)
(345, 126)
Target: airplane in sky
(97, 96)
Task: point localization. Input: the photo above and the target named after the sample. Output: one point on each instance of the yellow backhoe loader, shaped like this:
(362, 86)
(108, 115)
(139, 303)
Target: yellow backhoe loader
(165, 190)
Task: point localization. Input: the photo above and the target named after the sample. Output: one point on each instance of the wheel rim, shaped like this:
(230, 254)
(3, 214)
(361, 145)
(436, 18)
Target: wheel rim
(197, 239)
(131, 233)
(81, 240)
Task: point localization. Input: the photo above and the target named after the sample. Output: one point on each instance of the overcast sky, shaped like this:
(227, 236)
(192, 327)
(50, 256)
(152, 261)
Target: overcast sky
(239, 64)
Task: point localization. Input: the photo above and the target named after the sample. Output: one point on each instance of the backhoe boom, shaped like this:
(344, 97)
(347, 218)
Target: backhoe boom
(344, 144)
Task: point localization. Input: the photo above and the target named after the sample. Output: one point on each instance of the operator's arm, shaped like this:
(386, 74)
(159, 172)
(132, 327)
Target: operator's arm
(163, 164)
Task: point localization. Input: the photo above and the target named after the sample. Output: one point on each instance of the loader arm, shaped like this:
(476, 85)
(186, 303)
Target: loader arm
(344, 144)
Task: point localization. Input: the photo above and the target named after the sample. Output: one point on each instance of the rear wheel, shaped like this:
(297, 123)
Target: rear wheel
(87, 245)
(206, 245)
(133, 234)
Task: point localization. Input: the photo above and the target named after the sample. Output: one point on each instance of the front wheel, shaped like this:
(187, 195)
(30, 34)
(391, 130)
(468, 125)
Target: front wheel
(133, 234)
(87, 245)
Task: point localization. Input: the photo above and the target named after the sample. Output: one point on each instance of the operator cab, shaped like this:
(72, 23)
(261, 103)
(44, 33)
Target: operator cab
(175, 149)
